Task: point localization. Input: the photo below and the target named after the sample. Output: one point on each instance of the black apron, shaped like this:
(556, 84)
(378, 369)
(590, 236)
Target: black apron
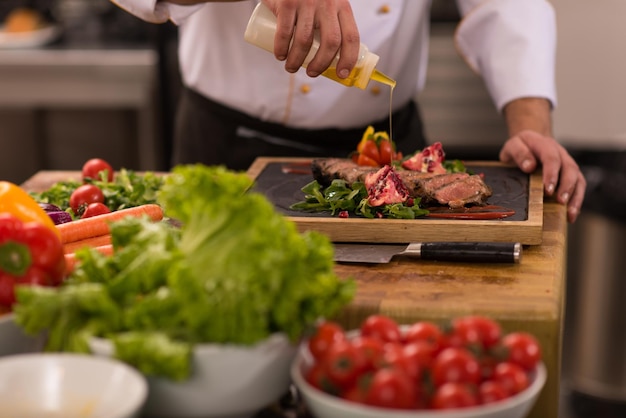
(210, 133)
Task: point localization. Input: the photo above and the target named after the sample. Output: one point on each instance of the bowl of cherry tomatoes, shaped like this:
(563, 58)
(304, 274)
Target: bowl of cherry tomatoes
(465, 368)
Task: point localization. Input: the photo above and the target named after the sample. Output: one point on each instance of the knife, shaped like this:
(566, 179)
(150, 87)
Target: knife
(474, 252)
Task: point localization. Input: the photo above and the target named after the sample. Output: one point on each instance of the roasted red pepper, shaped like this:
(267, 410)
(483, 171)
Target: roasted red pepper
(30, 254)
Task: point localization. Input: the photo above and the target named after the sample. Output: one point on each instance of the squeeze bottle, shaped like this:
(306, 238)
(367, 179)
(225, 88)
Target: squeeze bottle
(262, 28)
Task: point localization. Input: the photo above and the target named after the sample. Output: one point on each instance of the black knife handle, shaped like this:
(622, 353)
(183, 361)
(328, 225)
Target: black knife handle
(475, 252)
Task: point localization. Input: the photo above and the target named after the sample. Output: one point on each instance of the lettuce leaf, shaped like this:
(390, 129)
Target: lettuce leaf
(235, 272)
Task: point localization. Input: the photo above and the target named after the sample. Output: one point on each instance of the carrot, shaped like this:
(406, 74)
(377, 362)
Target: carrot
(70, 258)
(96, 241)
(99, 225)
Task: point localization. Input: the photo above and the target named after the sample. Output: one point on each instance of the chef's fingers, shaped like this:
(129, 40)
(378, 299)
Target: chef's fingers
(518, 152)
(576, 201)
(350, 41)
(329, 29)
(528, 149)
(303, 34)
(572, 185)
(285, 13)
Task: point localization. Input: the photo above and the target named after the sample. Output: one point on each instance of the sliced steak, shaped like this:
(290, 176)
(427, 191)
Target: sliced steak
(325, 170)
(424, 185)
(452, 189)
(463, 192)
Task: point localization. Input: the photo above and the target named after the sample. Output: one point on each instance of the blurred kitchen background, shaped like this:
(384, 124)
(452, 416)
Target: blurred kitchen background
(106, 86)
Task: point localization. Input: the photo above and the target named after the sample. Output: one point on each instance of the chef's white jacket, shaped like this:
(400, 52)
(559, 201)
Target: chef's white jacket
(510, 43)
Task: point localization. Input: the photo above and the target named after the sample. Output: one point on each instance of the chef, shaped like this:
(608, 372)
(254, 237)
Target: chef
(240, 102)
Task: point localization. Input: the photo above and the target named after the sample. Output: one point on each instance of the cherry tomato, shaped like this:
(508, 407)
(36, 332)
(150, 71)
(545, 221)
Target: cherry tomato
(344, 363)
(421, 353)
(381, 327)
(326, 334)
(523, 349)
(455, 364)
(93, 167)
(490, 391)
(94, 209)
(391, 388)
(511, 376)
(370, 149)
(385, 148)
(477, 331)
(356, 393)
(84, 195)
(487, 363)
(454, 395)
(317, 377)
(363, 159)
(372, 348)
(424, 331)
(395, 356)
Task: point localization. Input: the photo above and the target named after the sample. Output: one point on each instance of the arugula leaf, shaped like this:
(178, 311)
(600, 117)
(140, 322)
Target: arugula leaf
(454, 166)
(340, 196)
(128, 189)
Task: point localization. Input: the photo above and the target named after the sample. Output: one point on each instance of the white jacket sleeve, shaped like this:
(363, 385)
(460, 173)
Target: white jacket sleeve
(151, 11)
(512, 45)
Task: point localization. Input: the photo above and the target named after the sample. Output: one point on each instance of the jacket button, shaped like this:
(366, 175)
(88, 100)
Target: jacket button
(384, 9)
(375, 90)
(305, 88)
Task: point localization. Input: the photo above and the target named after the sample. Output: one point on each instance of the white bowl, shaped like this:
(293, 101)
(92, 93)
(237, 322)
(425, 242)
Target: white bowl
(323, 405)
(228, 381)
(46, 385)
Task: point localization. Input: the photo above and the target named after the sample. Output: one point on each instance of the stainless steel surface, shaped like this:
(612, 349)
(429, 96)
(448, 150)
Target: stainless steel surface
(14, 341)
(70, 79)
(598, 342)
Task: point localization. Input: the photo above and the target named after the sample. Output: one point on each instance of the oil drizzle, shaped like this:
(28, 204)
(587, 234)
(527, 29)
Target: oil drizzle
(384, 79)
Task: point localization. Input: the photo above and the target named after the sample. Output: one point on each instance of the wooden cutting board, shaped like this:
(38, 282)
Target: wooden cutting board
(281, 180)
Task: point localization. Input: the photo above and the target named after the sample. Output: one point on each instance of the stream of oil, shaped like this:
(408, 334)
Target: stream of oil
(382, 78)
(331, 73)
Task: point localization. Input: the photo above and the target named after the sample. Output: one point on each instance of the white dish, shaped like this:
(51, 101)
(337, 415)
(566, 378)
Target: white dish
(228, 381)
(323, 405)
(46, 385)
(30, 39)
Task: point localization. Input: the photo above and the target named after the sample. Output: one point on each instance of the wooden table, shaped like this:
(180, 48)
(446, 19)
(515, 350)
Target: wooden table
(528, 296)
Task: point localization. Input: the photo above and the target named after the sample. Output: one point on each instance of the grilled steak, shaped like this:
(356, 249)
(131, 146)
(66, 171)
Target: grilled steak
(325, 170)
(463, 192)
(453, 189)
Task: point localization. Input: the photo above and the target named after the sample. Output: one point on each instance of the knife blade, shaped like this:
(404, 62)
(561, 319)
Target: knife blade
(474, 252)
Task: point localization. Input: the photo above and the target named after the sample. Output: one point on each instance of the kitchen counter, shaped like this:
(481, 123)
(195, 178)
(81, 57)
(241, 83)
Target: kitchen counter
(528, 296)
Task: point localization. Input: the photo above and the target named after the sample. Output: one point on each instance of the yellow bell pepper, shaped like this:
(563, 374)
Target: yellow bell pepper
(16, 201)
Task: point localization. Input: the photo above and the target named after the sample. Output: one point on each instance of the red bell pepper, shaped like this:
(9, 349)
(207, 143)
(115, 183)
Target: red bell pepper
(30, 254)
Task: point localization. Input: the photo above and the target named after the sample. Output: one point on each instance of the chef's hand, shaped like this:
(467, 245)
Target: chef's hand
(338, 31)
(532, 145)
